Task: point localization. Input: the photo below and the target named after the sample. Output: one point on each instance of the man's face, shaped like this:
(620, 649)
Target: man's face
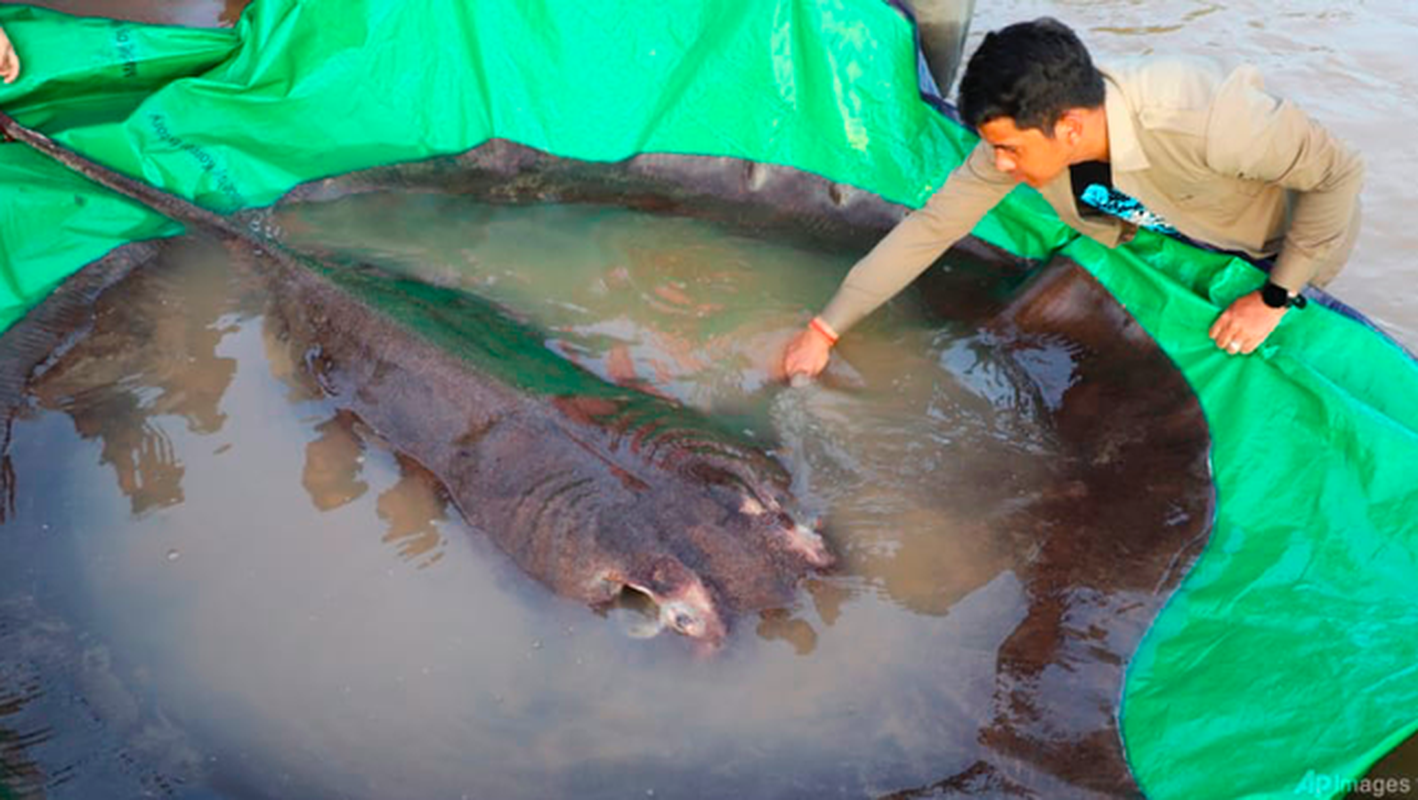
(1028, 155)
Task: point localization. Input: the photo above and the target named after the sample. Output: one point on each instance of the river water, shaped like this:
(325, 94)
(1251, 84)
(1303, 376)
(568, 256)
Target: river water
(228, 589)
(254, 596)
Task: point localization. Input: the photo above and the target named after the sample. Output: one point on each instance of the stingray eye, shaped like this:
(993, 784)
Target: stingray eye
(752, 507)
(682, 618)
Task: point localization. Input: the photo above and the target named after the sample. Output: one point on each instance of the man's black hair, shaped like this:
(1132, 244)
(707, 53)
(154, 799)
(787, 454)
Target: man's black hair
(1031, 72)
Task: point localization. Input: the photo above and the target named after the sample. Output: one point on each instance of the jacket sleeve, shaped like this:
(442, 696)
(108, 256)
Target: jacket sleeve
(918, 240)
(1256, 136)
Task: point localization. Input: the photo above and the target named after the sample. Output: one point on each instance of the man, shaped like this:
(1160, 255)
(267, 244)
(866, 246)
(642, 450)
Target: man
(9, 61)
(1211, 153)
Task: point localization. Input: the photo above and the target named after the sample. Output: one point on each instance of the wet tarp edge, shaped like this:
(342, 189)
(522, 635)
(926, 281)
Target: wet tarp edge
(1291, 627)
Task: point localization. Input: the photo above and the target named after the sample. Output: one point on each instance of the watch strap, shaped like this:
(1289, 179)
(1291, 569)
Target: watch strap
(1277, 296)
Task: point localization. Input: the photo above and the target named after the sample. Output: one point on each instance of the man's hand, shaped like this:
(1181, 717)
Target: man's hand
(1242, 327)
(807, 353)
(9, 61)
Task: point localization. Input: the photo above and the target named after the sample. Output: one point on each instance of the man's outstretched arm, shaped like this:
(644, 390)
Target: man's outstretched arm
(913, 245)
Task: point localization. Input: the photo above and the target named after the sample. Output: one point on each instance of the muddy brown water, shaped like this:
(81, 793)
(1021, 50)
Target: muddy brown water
(208, 521)
(253, 596)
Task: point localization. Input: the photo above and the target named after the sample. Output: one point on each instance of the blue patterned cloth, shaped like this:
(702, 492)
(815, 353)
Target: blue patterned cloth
(1111, 201)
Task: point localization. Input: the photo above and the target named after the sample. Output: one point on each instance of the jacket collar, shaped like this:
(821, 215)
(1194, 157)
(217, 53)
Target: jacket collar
(1124, 151)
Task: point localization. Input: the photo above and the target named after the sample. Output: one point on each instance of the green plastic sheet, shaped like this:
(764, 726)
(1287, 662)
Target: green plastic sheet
(1283, 666)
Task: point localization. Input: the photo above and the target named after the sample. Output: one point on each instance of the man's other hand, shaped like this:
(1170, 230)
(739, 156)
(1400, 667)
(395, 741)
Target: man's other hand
(1242, 327)
(806, 354)
(9, 61)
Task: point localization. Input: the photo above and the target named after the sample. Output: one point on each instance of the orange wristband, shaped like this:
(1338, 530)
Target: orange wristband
(823, 328)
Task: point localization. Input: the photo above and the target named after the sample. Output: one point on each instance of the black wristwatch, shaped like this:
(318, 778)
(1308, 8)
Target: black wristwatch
(1277, 296)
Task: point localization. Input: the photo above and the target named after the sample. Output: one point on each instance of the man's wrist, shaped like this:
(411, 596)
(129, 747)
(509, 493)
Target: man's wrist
(824, 330)
(1277, 296)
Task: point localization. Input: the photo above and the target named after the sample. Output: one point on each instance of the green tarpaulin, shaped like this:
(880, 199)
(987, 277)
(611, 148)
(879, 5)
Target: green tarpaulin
(1282, 666)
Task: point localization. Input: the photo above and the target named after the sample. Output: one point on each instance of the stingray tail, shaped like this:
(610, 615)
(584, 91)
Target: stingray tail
(165, 203)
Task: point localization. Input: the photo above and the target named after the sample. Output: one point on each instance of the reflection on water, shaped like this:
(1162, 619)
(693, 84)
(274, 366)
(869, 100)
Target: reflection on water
(413, 510)
(141, 364)
(279, 604)
(332, 464)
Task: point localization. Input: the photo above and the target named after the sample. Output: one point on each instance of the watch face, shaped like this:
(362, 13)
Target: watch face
(1274, 296)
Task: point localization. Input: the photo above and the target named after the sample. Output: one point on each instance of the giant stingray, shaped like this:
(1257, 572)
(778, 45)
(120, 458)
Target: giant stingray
(592, 489)
(1110, 548)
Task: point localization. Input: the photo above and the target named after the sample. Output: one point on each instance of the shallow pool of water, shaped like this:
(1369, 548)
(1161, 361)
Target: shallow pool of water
(216, 584)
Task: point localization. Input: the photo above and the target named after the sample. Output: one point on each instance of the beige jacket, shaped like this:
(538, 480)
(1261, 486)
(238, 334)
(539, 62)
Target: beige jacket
(1212, 152)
